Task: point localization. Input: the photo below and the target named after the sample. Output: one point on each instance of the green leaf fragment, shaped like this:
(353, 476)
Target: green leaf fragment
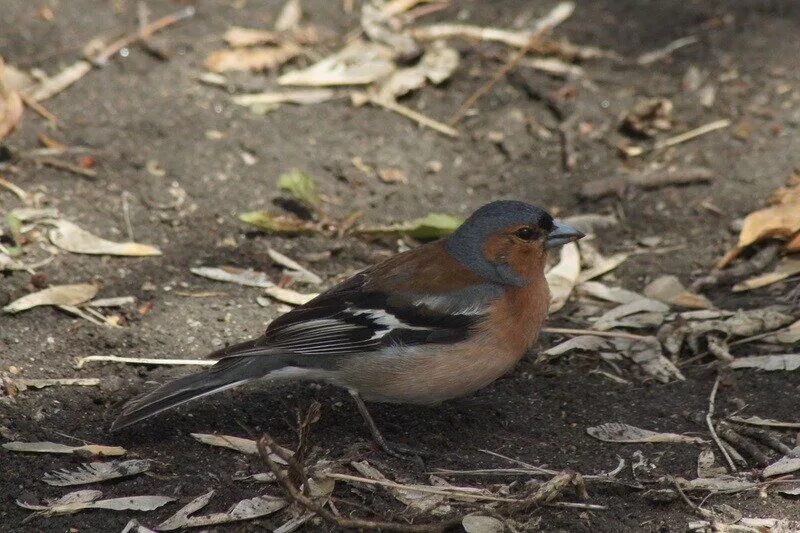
(300, 186)
(429, 227)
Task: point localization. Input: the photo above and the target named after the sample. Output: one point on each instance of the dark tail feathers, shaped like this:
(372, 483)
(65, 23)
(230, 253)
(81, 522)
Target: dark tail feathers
(226, 373)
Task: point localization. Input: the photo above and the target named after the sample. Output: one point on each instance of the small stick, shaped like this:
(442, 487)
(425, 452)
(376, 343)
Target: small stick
(557, 15)
(742, 443)
(143, 33)
(634, 151)
(574, 331)
(69, 167)
(765, 438)
(39, 109)
(267, 445)
(143, 361)
(710, 423)
(416, 116)
(18, 191)
(468, 492)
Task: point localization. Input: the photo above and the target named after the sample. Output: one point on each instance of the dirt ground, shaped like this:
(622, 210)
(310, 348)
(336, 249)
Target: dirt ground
(140, 110)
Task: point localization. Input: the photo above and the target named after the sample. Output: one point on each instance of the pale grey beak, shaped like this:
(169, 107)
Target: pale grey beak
(562, 234)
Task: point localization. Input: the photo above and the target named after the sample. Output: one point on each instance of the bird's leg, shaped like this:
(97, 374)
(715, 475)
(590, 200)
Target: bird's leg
(394, 451)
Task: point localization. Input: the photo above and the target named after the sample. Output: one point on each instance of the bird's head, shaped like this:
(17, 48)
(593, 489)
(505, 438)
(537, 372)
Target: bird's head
(507, 241)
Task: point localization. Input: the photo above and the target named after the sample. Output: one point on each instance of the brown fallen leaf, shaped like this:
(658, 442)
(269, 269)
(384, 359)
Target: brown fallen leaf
(618, 432)
(786, 267)
(56, 295)
(254, 59)
(73, 238)
(289, 296)
(670, 290)
(238, 37)
(96, 472)
(54, 447)
(240, 276)
(10, 105)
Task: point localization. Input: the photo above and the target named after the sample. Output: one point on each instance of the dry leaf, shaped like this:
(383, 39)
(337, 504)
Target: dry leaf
(586, 343)
(298, 97)
(94, 472)
(758, 421)
(297, 271)
(648, 354)
(784, 465)
(238, 37)
(244, 510)
(359, 63)
(785, 268)
(23, 383)
(618, 432)
(769, 362)
(670, 290)
(289, 17)
(300, 186)
(380, 29)
(420, 502)
(72, 238)
(246, 446)
(705, 465)
(649, 117)
(651, 308)
(775, 222)
(563, 277)
(53, 447)
(436, 66)
(10, 104)
(595, 289)
(89, 499)
(240, 276)
(602, 265)
(254, 59)
(289, 296)
(482, 524)
(56, 295)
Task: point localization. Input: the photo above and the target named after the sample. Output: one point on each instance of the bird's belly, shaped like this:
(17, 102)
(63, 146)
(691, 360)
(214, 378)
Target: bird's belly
(425, 378)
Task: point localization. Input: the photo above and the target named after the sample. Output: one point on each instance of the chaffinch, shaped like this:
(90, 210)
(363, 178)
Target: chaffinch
(436, 322)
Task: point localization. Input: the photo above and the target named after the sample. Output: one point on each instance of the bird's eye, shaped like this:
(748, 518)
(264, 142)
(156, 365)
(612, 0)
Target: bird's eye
(526, 233)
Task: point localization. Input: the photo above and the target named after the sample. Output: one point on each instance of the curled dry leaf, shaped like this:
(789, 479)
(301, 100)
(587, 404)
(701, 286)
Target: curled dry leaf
(286, 224)
(238, 37)
(10, 104)
(436, 66)
(240, 276)
(359, 63)
(94, 472)
(56, 295)
(595, 289)
(72, 238)
(53, 447)
(244, 510)
(670, 290)
(427, 228)
(585, 343)
(563, 277)
(649, 117)
(254, 59)
(618, 432)
(644, 312)
(789, 361)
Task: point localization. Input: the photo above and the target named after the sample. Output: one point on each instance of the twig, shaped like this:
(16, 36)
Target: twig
(18, 191)
(549, 491)
(80, 362)
(606, 477)
(267, 445)
(634, 151)
(126, 214)
(602, 187)
(656, 55)
(466, 492)
(614, 334)
(710, 423)
(39, 109)
(702, 512)
(101, 58)
(764, 437)
(416, 116)
(557, 15)
(69, 167)
(743, 444)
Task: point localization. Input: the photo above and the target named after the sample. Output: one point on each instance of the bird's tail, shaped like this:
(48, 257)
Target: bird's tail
(227, 373)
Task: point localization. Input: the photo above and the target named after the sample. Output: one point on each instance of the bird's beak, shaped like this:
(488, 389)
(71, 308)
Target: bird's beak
(562, 234)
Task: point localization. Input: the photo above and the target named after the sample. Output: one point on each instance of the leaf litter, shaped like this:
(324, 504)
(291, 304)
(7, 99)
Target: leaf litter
(87, 450)
(244, 510)
(72, 238)
(618, 432)
(90, 499)
(96, 472)
(58, 295)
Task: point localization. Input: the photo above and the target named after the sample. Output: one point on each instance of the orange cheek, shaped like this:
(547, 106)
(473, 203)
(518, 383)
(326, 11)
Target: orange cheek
(497, 248)
(527, 260)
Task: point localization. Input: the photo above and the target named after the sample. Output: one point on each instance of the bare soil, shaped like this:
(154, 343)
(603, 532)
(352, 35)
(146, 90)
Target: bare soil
(139, 110)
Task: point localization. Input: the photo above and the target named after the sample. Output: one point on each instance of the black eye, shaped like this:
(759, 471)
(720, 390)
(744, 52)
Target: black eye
(526, 233)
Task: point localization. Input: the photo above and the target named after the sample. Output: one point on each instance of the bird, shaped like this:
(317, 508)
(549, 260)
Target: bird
(432, 323)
